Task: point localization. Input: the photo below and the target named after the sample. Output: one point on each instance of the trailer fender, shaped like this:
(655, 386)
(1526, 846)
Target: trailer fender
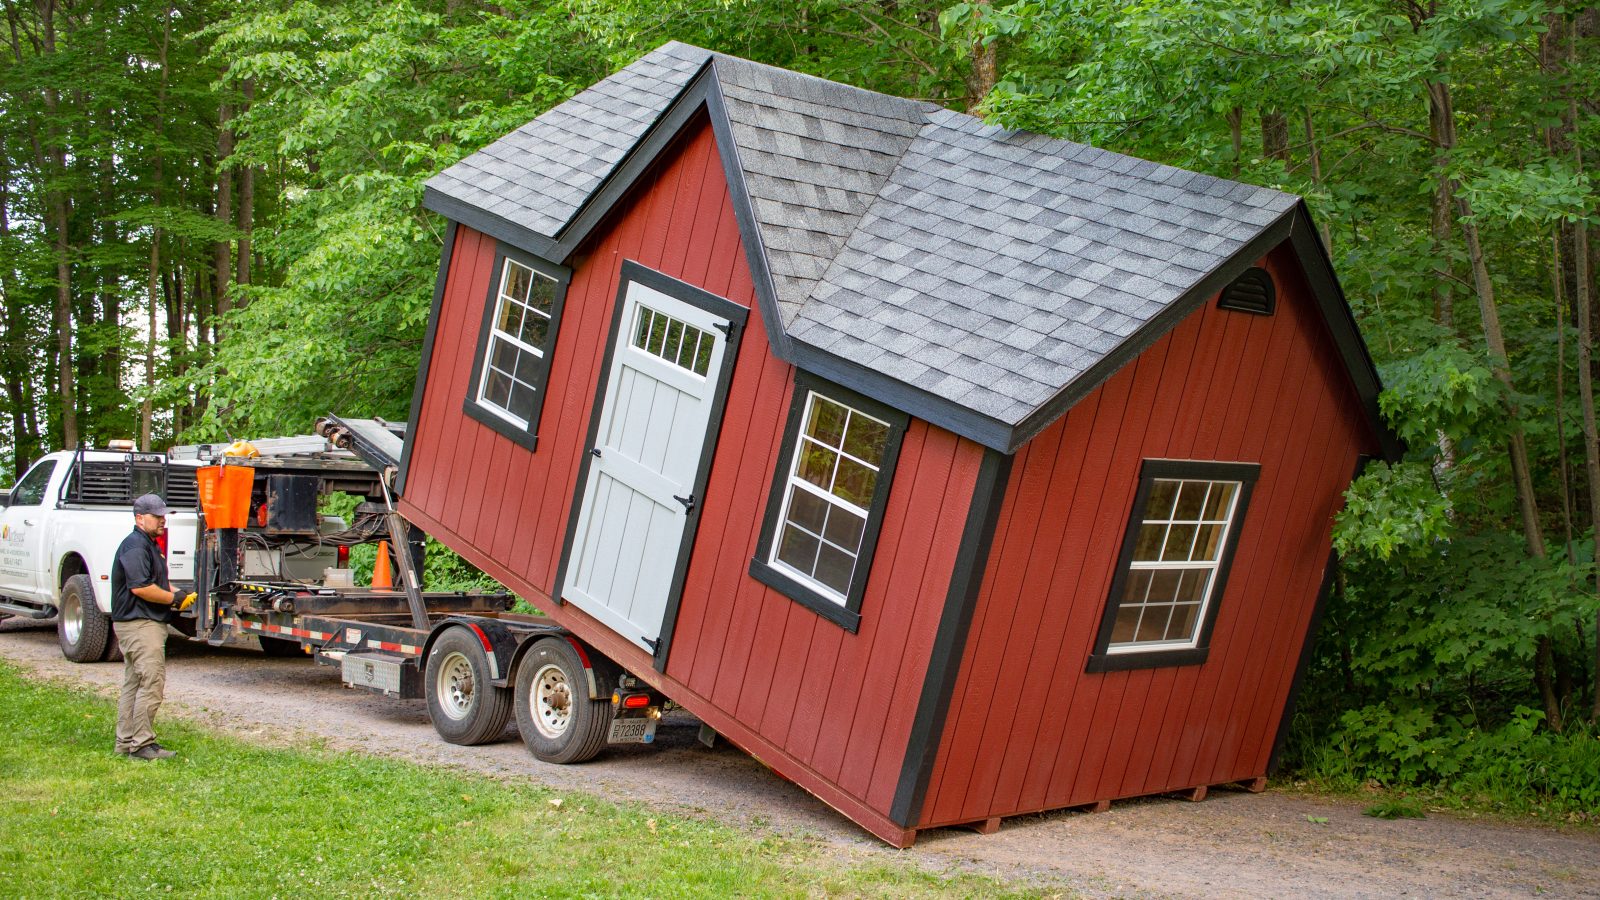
(499, 644)
(600, 673)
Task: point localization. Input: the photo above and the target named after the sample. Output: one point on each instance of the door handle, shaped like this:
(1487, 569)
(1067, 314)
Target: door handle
(688, 502)
(27, 521)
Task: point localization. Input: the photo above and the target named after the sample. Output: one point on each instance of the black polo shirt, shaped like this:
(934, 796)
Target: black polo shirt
(139, 563)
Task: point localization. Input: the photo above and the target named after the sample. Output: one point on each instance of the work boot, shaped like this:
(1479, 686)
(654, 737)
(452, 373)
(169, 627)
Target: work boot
(152, 751)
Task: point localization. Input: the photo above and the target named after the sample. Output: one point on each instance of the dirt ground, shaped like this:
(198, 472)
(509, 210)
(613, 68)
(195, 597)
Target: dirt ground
(1233, 844)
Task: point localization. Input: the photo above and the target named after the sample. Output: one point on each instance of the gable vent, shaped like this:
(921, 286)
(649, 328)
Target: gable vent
(1252, 292)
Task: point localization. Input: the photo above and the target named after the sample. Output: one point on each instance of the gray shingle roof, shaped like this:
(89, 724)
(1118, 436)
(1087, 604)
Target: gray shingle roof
(989, 269)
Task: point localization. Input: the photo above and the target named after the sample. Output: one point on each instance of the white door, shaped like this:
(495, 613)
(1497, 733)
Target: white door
(639, 493)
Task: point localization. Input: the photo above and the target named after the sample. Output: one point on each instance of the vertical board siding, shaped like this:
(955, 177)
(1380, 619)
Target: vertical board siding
(1028, 729)
(837, 706)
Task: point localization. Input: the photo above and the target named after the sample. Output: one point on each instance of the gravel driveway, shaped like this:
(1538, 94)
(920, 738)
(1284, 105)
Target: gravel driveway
(1233, 844)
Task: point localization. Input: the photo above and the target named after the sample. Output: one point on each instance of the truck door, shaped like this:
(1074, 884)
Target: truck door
(22, 533)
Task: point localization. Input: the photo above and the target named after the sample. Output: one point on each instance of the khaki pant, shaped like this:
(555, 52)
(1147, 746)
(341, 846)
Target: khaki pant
(144, 681)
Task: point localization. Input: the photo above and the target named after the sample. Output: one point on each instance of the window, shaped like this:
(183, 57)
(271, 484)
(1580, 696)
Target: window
(513, 358)
(1174, 563)
(828, 497)
(30, 490)
(679, 343)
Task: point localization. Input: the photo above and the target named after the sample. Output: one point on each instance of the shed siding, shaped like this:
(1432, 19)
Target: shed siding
(828, 709)
(1028, 729)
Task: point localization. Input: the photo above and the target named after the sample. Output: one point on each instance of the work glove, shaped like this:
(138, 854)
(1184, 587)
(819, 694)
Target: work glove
(184, 604)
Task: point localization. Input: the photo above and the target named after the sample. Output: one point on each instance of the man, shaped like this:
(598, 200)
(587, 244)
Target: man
(142, 602)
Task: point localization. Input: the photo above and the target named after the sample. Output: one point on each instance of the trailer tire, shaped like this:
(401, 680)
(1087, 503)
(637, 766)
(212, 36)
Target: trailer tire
(465, 708)
(555, 716)
(81, 627)
(280, 647)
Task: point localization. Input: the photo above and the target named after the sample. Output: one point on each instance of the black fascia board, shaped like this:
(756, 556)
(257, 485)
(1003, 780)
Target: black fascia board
(634, 164)
(491, 224)
(1318, 267)
(428, 339)
(755, 249)
(947, 414)
(1152, 331)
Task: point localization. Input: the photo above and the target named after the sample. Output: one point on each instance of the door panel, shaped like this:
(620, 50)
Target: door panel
(656, 402)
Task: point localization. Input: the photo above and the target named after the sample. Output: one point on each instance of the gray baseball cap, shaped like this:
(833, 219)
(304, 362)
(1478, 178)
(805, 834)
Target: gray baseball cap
(150, 505)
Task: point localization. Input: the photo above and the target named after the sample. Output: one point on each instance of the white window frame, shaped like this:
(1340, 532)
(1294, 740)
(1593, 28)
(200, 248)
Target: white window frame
(794, 482)
(1213, 566)
(501, 297)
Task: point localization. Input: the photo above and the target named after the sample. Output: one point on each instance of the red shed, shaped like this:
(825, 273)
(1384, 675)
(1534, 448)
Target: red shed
(954, 472)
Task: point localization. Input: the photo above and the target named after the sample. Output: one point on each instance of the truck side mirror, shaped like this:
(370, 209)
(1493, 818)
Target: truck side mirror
(5, 499)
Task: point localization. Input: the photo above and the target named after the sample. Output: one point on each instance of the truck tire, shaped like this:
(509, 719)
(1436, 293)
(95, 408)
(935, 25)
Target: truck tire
(81, 627)
(465, 708)
(555, 716)
(280, 647)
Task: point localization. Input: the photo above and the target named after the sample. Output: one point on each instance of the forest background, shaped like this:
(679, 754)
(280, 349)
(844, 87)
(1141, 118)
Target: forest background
(211, 226)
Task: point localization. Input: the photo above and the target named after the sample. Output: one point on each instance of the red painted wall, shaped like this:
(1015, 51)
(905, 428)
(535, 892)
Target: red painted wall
(1028, 729)
(828, 709)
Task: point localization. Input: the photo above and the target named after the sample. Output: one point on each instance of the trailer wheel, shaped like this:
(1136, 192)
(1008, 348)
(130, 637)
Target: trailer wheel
(280, 647)
(464, 706)
(558, 721)
(80, 625)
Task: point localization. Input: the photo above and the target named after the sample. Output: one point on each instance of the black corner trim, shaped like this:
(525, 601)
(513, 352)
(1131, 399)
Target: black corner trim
(1324, 595)
(426, 360)
(1244, 473)
(944, 660)
(848, 615)
(527, 438)
(1252, 292)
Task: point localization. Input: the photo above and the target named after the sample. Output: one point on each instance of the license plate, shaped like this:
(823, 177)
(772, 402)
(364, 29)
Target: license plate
(640, 730)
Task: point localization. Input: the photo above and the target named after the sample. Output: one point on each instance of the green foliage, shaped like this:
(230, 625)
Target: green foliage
(1390, 509)
(1518, 766)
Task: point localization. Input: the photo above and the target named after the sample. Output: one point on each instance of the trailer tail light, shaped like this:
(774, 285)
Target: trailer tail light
(343, 557)
(631, 701)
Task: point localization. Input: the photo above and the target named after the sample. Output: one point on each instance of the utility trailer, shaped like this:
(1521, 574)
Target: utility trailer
(473, 660)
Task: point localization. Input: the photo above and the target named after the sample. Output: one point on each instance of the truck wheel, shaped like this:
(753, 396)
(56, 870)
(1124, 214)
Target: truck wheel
(558, 721)
(464, 706)
(80, 625)
(280, 647)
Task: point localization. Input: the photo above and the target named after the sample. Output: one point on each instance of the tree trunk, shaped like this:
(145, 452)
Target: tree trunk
(222, 263)
(1236, 132)
(247, 202)
(1275, 135)
(153, 286)
(1500, 363)
(984, 71)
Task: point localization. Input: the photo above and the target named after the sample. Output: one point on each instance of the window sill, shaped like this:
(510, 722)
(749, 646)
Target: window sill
(501, 426)
(840, 615)
(1150, 659)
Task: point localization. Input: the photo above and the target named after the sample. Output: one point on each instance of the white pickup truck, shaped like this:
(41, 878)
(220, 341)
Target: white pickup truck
(60, 528)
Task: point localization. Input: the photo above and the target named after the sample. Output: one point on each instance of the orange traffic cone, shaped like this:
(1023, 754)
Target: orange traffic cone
(382, 576)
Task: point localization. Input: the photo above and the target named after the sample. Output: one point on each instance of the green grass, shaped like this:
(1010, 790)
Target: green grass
(231, 819)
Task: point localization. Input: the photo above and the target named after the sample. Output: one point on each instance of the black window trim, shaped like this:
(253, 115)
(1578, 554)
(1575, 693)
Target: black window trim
(848, 615)
(527, 438)
(1151, 469)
